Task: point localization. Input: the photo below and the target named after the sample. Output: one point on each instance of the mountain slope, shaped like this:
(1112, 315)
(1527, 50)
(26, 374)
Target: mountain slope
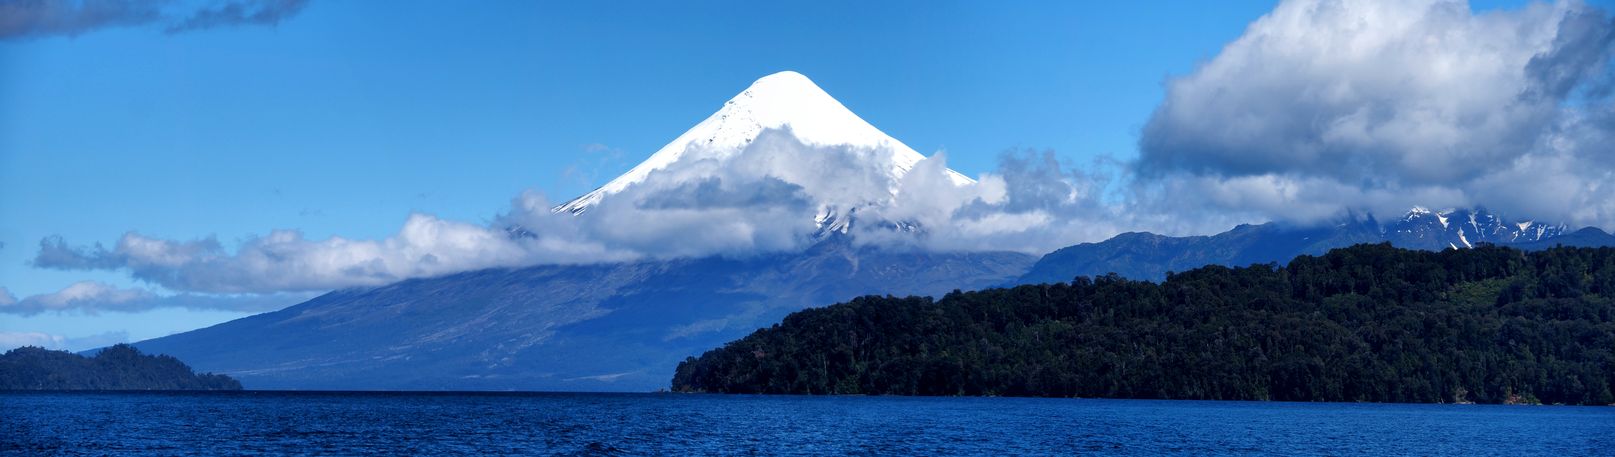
(594, 327)
(782, 148)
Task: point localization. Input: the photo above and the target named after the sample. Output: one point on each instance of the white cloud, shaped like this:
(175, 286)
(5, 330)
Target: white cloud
(284, 260)
(1324, 105)
(91, 297)
(85, 292)
(1034, 203)
(762, 199)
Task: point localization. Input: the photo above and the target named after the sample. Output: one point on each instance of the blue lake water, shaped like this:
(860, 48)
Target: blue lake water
(671, 424)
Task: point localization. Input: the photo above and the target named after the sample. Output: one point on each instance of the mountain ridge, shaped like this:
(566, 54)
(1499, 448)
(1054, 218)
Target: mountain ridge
(1148, 256)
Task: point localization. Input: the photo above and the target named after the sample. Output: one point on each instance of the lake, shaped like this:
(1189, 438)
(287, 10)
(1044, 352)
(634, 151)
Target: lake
(213, 423)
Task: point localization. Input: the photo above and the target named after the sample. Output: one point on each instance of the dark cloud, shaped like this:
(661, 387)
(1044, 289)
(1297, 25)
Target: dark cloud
(241, 12)
(1582, 48)
(55, 253)
(37, 18)
(25, 19)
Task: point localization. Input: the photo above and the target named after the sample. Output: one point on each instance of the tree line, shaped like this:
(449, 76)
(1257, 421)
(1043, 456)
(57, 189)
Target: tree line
(1369, 323)
(120, 367)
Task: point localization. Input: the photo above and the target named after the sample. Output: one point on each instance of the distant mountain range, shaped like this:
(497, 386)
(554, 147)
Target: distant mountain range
(1150, 257)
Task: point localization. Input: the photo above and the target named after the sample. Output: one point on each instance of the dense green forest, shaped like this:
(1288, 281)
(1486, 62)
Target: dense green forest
(119, 367)
(1367, 323)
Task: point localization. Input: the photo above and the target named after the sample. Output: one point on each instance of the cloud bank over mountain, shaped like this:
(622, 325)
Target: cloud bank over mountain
(1324, 105)
(777, 168)
(1319, 108)
(733, 208)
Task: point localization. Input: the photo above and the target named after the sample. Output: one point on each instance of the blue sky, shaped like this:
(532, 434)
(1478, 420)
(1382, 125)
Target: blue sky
(348, 116)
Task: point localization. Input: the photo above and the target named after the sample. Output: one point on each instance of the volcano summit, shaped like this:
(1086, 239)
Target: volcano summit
(782, 128)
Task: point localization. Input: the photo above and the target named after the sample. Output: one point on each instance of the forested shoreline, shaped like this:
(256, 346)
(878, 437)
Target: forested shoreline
(1369, 323)
(120, 367)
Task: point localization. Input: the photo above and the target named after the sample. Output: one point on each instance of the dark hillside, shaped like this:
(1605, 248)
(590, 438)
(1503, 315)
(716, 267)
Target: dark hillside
(119, 367)
(1366, 323)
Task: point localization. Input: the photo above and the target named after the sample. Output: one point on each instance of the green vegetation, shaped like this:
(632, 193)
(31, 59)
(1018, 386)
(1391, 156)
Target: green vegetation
(1367, 323)
(120, 367)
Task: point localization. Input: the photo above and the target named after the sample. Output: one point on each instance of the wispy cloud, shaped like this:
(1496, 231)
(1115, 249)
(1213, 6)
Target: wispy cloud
(241, 12)
(611, 377)
(91, 297)
(38, 18)
(25, 19)
(284, 260)
(591, 168)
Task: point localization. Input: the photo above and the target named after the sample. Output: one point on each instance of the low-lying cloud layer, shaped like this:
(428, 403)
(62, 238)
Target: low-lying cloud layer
(1033, 203)
(284, 260)
(91, 297)
(1321, 107)
(765, 198)
(21, 19)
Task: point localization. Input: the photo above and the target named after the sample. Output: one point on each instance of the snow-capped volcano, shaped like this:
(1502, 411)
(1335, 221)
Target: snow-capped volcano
(785, 103)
